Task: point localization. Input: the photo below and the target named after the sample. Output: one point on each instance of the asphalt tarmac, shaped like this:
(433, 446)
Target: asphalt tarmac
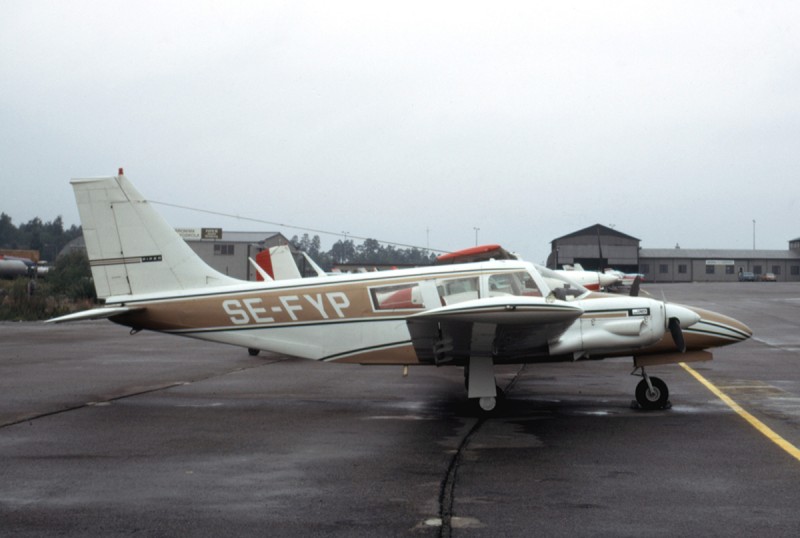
(107, 434)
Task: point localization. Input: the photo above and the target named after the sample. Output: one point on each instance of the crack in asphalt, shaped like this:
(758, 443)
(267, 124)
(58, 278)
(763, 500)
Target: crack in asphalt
(72, 407)
(448, 485)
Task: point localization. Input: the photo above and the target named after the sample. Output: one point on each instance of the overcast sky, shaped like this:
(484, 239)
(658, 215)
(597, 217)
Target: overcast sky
(414, 122)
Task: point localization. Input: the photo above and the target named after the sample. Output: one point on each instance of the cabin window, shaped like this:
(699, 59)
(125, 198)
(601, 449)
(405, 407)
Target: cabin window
(519, 283)
(458, 290)
(397, 297)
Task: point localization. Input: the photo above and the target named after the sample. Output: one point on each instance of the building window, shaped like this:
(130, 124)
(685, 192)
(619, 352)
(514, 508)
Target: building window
(711, 269)
(645, 268)
(795, 270)
(757, 269)
(682, 268)
(223, 249)
(729, 269)
(663, 268)
(776, 269)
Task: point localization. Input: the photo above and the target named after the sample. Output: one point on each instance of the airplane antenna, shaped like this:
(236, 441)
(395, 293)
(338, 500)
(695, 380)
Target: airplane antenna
(302, 228)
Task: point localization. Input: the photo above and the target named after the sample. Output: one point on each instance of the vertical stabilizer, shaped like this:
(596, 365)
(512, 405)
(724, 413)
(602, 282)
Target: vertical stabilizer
(132, 249)
(279, 263)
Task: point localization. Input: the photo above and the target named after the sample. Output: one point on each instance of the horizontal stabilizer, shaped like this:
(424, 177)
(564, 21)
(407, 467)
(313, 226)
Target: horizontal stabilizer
(95, 313)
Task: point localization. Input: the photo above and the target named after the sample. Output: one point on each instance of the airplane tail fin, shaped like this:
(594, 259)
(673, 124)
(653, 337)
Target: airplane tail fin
(279, 263)
(132, 249)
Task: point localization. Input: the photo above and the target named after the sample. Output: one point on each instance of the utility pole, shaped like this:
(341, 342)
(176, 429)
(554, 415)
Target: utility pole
(754, 234)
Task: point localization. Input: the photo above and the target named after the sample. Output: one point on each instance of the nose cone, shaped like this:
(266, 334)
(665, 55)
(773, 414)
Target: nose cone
(686, 316)
(715, 329)
(607, 279)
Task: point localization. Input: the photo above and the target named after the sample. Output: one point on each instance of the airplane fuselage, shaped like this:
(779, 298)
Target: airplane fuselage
(363, 317)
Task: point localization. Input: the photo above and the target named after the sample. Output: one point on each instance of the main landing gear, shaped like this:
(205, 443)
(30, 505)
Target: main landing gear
(651, 392)
(480, 383)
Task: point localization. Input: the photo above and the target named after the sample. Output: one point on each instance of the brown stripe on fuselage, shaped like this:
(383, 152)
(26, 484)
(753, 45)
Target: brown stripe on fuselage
(278, 305)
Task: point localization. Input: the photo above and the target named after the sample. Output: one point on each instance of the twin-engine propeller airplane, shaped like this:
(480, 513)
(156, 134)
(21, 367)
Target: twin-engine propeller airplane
(473, 315)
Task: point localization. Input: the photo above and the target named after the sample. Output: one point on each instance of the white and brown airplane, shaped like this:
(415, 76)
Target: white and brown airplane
(471, 315)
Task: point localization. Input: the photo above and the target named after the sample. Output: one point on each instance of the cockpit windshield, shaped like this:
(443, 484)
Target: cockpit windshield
(561, 286)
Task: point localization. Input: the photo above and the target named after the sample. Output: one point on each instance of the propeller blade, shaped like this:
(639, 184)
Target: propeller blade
(677, 334)
(635, 286)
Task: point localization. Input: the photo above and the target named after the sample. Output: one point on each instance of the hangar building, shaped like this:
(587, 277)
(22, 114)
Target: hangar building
(228, 252)
(598, 247)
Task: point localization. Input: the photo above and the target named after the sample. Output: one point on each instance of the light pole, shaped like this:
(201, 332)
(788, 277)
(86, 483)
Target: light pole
(754, 234)
(344, 246)
(476, 235)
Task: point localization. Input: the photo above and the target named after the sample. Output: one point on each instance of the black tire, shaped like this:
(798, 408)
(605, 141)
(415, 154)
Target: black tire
(655, 399)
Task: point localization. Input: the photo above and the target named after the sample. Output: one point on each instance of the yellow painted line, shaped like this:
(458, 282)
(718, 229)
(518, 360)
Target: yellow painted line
(757, 424)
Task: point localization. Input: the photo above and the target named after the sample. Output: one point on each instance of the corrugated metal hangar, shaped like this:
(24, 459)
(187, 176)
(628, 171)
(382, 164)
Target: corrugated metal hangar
(598, 247)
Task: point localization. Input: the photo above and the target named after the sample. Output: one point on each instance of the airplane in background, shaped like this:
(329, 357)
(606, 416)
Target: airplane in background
(470, 315)
(626, 279)
(591, 280)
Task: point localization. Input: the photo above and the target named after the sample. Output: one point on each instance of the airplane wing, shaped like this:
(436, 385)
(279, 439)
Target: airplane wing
(505, 327)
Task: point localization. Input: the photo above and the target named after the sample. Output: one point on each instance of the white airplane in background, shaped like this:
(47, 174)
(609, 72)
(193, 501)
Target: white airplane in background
(592, 280)
(471, 315)
(626, 279)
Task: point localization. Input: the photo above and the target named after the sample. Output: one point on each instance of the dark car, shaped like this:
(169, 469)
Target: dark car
(747, 276)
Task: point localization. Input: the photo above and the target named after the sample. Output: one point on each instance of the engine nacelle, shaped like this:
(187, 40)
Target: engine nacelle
(630, 326)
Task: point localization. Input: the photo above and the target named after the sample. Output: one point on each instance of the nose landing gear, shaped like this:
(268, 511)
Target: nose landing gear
(651, 392)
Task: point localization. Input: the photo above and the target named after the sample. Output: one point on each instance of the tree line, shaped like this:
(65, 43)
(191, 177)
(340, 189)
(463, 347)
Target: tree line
(369, 253)
(46, 237)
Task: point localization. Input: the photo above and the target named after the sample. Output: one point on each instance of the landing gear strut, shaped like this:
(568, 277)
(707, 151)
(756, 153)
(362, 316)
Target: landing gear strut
(651, 392)
(480, 383)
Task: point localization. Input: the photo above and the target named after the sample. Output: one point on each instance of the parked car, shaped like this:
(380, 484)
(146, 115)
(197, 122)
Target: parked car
(747, 276)
(768, 277)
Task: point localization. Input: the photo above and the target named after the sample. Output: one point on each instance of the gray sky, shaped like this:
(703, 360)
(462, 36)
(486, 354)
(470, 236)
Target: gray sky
(677, 122)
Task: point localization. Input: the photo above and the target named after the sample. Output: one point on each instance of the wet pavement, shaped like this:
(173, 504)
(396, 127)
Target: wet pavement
(104, 433)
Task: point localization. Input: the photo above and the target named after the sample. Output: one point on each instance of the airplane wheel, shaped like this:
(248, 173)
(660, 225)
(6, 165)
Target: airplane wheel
(253, 351)
(487, 404)
(652, 399)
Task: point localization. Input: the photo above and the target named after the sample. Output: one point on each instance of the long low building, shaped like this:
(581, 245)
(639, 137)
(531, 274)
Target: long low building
(598, 247)
(716, 265)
